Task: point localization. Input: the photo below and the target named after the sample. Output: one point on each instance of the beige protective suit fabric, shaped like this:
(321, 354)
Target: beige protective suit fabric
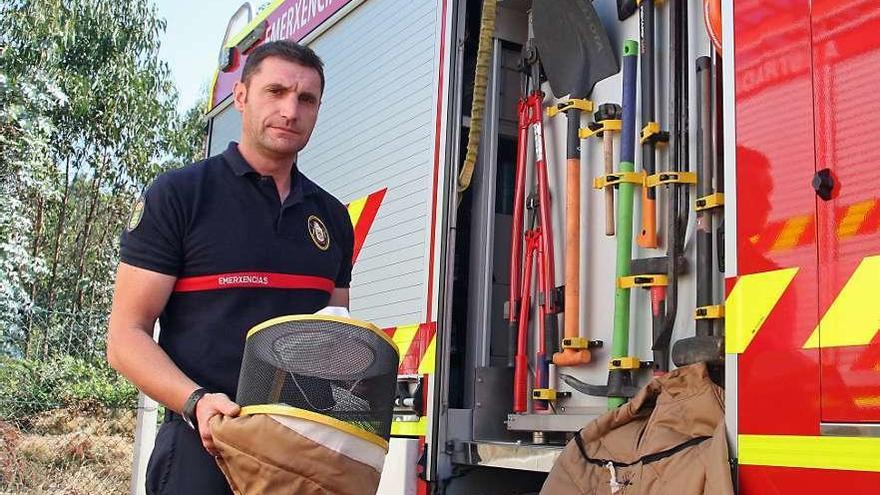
(261, 456)
(667, 418)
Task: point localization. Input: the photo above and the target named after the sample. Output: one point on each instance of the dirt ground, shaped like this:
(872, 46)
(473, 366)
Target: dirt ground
(80, 451)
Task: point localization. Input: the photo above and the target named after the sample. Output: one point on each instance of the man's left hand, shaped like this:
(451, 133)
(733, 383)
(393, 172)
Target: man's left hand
(209, 406)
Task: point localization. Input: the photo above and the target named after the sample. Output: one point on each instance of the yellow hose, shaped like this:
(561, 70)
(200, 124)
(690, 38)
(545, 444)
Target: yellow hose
(478, 107)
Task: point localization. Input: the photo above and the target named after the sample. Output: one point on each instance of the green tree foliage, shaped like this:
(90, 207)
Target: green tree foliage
(29, 387)
(26, 172)
(107, 139)
(187, 138)
(87, 119)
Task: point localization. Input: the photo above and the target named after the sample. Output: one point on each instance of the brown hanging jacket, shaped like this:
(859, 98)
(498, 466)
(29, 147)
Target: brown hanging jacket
(669, 439)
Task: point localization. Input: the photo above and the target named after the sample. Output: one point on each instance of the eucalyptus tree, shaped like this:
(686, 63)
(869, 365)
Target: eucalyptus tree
(111, 127)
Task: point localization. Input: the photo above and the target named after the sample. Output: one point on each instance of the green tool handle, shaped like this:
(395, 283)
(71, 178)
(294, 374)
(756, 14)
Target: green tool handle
(620, 338)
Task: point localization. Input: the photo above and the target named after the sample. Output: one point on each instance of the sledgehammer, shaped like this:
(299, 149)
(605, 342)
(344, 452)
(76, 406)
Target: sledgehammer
(574, 351)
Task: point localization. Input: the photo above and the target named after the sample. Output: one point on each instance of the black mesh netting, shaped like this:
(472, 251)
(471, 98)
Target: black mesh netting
(338, 369)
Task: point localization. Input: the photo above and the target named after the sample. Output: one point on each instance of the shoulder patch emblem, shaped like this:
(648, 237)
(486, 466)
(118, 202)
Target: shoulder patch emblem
(137, 213)
(319, 233)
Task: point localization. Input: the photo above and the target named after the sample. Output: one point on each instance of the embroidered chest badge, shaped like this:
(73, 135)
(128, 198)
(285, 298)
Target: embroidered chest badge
(318, 232)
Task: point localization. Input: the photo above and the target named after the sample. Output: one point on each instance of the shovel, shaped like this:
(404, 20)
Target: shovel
(575, 50)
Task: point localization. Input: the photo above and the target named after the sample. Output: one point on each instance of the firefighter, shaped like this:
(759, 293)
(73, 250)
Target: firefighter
(218, 246)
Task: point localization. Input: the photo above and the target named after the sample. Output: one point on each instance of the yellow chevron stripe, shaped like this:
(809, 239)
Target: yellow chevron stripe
(410, 428)
(791, 232)
(260, 17)
(843, 453)
(750, 303)
(854, 316)
(403, 337)
(427, 364)
(356, 208)
(210, 103)
(854, 218)
(871, 401)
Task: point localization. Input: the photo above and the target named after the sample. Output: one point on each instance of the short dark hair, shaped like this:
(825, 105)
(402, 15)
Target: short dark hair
(286, 50)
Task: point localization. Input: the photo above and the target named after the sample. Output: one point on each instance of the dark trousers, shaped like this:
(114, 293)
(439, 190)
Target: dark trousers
(180, 465)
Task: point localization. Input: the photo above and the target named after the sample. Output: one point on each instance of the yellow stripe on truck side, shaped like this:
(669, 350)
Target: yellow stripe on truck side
(819, 452)
(791, 232)
(356, 208)
(426, 367)
(854, 217)
(750, 303)
(854, 316)
(403, 337)
(410, 428)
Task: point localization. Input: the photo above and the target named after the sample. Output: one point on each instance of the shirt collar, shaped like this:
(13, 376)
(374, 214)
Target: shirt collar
(299, 184)
(236, 162)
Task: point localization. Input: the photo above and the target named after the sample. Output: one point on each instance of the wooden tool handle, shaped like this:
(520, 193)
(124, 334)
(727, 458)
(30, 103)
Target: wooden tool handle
(608, 149)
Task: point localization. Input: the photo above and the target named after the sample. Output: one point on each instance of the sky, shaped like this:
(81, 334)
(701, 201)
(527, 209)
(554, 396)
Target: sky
(192, 40)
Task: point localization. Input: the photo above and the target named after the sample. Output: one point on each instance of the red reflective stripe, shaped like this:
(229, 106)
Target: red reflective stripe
(368, 215)
(253, 280)
(872, 221)
(421, 340)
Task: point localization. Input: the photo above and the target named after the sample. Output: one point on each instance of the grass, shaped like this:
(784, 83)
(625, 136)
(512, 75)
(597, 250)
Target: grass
(80, 450)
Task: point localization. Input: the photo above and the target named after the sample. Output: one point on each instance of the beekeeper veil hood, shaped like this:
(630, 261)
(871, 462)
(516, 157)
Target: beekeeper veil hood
(317, 395)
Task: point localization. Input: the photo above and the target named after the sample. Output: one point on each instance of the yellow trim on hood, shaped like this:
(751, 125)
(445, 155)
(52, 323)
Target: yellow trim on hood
(335, 319)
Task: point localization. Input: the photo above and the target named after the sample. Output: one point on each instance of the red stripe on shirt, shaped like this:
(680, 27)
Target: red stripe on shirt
(253, 280)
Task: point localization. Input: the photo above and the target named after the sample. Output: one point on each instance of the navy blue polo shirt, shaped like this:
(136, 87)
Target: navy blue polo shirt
(240, 256)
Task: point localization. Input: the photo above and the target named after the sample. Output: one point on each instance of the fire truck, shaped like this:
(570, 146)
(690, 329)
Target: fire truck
(752, 188)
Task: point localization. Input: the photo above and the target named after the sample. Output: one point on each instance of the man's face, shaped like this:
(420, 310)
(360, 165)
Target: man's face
(279, 107)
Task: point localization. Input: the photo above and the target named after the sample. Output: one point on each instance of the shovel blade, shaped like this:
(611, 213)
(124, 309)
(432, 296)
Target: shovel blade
(573, 45)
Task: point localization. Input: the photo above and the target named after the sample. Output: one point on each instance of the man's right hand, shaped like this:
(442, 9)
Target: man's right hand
(209, 406)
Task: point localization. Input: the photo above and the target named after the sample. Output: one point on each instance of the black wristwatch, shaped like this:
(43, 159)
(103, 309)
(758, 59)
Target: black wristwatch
(189, 408)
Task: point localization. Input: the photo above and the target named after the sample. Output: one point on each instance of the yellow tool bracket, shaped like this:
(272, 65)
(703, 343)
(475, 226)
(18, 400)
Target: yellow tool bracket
(671, 178)
(610, 180)
(627, 363)
(642, 281)
(547, 394)
(652, 129)
(582, 105)
(610, 125)
(579, 343)
(709, 312)
(709, 202)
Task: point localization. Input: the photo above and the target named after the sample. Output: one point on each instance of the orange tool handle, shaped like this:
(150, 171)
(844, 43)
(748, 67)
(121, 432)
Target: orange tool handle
(648, 236)
(572, 246)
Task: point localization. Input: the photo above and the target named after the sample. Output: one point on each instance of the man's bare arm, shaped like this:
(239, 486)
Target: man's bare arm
(139, 297)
